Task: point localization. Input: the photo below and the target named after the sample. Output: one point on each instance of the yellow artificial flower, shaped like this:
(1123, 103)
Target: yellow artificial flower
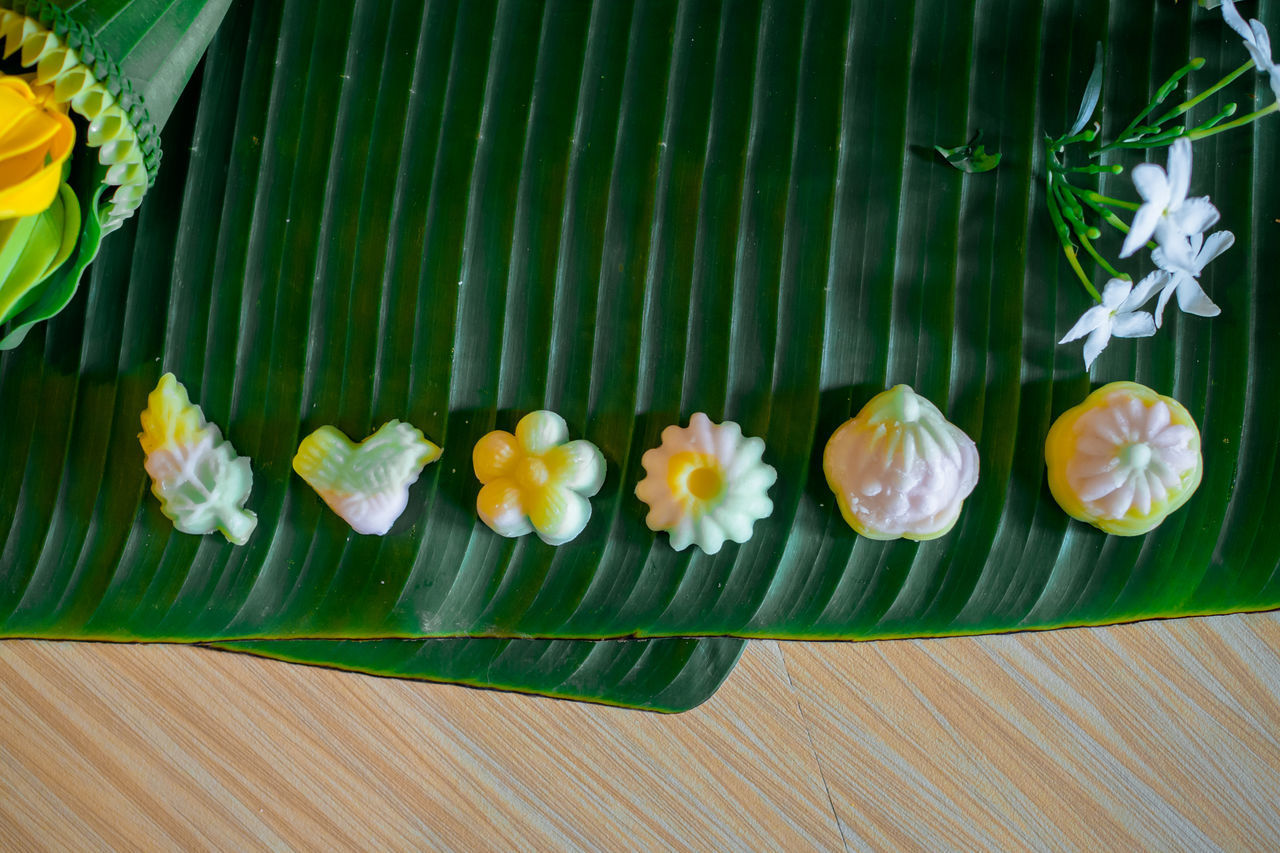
(33, 247)
(36, 138)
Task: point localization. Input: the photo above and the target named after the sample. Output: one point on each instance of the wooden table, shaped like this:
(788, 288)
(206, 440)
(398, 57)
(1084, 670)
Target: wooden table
(1154, 736)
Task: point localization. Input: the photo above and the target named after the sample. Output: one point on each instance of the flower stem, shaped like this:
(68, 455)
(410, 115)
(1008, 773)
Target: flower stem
(1101, 261)
(1070, 252)
(1090, 195)
(1072, 212)
(1161, 93)
(1187, 106)
(1093, 200)
(1064, 237)
(1210, 130)
(1094, 169)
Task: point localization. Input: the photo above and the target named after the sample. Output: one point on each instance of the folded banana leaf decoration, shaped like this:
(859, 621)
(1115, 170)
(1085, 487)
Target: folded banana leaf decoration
(645, 211)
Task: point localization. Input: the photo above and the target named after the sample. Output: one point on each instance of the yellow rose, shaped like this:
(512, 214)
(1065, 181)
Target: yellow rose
(36, 137)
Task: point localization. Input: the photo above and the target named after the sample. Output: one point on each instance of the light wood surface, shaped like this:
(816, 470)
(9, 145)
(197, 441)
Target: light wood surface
(1156, 736)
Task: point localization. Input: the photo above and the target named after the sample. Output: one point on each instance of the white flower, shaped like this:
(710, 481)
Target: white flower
(1167, 213)
(1180, 267)
(1256, 41)
(1115, 316)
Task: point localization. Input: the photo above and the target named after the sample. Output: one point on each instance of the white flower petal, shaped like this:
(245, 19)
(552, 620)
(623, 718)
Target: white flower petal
(1193, 300)
(1096, 343)
(1152, 184)
(1138, 324)
(1115, 292)
(1262, 40)
(1195, 216)
(1236, 22)
(1089, 320)
(1216, 243)
(1179, 172)
(1143, 227)
(1145, 289)
(1165, 295)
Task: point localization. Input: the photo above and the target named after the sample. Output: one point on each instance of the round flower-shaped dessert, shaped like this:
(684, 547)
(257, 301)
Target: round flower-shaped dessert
(1124, 458)
(900, 470)
(537, 480)
(706, 483)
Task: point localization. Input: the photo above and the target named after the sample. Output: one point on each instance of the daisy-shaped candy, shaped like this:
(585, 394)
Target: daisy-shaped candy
(537, 480)
(1124, 458)
(706, 483)
(1166, 211)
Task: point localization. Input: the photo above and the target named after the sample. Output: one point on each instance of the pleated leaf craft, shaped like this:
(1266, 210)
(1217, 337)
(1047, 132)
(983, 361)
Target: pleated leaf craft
(201, 483)
(366, 483)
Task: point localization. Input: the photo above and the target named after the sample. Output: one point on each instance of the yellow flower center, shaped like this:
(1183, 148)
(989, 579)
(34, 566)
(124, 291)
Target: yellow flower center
(695, 476)
(532, 473)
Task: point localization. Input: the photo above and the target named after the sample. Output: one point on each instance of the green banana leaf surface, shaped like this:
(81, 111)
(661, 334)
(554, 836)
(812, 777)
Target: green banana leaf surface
(665, 675)
(626, 212)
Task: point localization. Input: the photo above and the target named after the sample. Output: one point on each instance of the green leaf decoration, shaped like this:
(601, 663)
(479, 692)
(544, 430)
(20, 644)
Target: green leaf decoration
(654, 675)
(970, 157)
(454, 214)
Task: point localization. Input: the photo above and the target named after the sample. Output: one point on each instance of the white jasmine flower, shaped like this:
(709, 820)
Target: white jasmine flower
(1180, 267)
(1256, 41)
(1115, 316)
(1166, 212)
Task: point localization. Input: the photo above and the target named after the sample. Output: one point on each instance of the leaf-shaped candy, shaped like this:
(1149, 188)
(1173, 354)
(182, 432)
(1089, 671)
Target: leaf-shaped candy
(201, 483)
(366, 483)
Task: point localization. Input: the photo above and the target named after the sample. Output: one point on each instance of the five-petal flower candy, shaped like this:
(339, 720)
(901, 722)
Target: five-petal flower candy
(537, 480)
(1116, 316)
(1124, 458)
(706, 483)
(366, 483)
(1166, 211)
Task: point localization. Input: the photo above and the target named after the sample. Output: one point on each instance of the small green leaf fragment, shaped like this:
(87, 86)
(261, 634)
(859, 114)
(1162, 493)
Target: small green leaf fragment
(970, 157)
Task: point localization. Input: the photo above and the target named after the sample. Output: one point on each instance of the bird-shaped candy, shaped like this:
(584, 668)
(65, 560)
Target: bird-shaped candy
(366, 483)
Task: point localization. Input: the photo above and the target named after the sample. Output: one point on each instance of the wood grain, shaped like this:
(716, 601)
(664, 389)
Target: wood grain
(1152, 736)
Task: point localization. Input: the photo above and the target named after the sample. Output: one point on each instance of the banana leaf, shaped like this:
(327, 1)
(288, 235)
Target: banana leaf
(455, 213)
(668, 676)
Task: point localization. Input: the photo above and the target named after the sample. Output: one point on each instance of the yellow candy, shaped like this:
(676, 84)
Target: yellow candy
(1124, 458)
(536, 480)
